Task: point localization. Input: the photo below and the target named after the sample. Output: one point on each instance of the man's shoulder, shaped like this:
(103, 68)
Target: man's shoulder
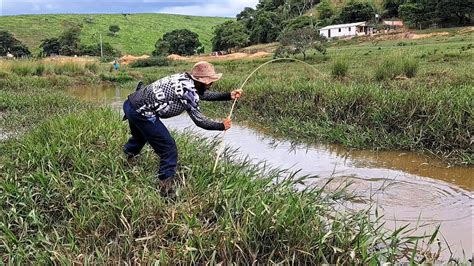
(180, 77)
(185, 80)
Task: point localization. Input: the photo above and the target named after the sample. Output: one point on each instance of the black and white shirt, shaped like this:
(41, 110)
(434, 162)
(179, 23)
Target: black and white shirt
(171, 96)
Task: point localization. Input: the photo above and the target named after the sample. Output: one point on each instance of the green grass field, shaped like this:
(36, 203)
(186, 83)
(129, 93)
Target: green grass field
(138, 32)
(67, 194)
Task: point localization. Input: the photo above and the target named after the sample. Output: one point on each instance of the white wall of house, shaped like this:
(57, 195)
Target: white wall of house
(339, 32)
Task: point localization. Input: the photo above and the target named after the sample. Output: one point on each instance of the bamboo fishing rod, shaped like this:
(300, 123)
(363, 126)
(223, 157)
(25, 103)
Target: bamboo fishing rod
(220, 150)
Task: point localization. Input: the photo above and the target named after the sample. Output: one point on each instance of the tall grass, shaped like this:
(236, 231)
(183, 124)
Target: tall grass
(394, 66)
(339, 68)
(306, 107)
(68, 194)
(68, 68)
(26, 101)
(92, 67)
(22, 70)
(38, 68)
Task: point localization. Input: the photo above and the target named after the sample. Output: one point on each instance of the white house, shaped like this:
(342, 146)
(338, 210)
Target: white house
(347, 30)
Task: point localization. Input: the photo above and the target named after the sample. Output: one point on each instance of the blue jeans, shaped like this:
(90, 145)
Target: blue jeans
(156, 134)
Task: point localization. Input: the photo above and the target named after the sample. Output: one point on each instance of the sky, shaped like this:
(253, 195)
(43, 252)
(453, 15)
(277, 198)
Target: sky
(214, 8)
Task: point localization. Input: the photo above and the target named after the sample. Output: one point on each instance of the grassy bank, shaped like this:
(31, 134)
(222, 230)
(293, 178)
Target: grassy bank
(138, 32)
(67, 195)
(382, 96)
(362, 116)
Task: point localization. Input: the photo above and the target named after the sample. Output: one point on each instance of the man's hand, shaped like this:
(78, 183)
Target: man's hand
(236, 94)
(227, 123)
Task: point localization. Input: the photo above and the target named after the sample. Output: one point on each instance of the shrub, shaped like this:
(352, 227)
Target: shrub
(339, 69)
(152, 61)
(395, 66)
(114, 29)
(92, 67)
(107, 58)
(95, 50)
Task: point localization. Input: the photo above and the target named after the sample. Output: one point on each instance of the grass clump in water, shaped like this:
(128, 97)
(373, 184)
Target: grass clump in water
(120, 77)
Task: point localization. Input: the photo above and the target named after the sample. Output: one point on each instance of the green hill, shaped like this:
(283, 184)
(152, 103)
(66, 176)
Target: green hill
(138, 32)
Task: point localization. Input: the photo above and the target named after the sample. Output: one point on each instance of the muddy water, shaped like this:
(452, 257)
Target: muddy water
(406, 187)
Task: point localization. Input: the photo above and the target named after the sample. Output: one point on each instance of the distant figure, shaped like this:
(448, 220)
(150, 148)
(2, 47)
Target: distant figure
(116, 65)
(10, 56)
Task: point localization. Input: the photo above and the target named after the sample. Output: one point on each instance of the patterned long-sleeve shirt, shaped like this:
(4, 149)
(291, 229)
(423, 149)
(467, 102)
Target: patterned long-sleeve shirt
(171, 96)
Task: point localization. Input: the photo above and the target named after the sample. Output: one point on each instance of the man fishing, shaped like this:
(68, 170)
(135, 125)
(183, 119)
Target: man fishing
(165, 98)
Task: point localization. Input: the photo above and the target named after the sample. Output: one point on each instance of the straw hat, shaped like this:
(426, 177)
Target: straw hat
(204, 72)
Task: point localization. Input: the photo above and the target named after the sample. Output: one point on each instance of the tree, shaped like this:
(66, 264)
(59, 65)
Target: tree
(423, 13)
(181, 42)
(9, 44)
(270, 5)
(413, 14)
(162, 48)
(298, 23)
(50, 46)
(458, 11)
(114, 29)
(267, 27)
(391, 8)
(69, 41)
(356, 12)
(301, 40)
(247, 17)
(200, 50)
(299, 7)
(229, 35)
(94, 50)
(325, 10)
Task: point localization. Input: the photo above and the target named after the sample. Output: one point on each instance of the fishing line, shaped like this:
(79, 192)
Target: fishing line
(221, 146)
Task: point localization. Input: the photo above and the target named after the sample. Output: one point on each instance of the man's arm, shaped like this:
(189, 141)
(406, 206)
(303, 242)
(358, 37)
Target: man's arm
(203, 122)
(216, 96)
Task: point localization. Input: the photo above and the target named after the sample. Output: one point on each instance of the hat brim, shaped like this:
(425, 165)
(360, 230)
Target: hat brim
(208, 79)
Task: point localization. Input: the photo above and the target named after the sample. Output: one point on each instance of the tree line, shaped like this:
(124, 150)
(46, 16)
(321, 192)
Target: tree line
(291, 22)
(68, 43)
(271, 19)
